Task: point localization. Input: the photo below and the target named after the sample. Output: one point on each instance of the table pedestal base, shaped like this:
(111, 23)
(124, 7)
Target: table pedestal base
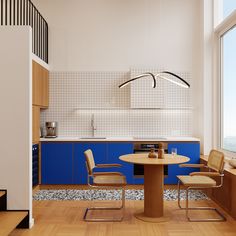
(143, 217)
(153, 195)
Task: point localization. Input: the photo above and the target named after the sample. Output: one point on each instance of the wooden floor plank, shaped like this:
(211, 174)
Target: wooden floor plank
(65, 218)
(9, 220)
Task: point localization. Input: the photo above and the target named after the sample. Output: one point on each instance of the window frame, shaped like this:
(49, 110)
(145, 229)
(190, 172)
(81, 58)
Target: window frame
(226, 25)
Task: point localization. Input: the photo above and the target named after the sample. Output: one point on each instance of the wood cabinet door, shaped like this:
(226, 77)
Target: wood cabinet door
(45, 88)
(57, 163)
(40, 85)
(36, 123)
(37, 85)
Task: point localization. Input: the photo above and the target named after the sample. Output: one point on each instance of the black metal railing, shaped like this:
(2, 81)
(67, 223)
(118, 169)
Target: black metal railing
(23, 12)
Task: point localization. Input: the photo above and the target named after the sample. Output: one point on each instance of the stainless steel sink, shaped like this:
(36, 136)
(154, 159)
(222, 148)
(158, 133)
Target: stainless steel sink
(92, 138)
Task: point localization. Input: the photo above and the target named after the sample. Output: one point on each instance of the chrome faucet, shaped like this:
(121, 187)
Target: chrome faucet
(93, 125)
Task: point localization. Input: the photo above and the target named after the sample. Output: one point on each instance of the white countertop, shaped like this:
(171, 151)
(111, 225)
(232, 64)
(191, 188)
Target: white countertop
(121, 139)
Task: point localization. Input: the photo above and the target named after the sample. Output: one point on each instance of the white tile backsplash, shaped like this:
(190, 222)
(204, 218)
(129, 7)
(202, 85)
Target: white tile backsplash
(75, 96)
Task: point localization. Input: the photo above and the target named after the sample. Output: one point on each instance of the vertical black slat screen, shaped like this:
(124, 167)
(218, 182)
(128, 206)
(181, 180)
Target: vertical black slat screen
(10, 13)
(1, 12)
(39, 35)
(30, 16)
(17, 12)
(14, 12)
(5, 12)
(27, 12)
(36, 31)
(41, 40)
(23, 12)
(34, 27)
(46, 42)
(21, 18)
(42, 22)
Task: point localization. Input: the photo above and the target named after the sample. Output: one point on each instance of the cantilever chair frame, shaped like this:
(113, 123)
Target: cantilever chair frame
(122, 206)
(187, 208)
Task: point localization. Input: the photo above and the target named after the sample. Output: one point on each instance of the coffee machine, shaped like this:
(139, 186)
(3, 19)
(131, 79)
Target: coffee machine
(51, 129)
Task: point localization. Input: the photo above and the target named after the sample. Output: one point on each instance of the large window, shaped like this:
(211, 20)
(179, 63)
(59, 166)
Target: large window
(225, 33)
(228, 7)
(228, 90)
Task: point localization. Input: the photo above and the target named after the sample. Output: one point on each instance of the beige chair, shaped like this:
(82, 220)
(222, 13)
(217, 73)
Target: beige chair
(203, 180)
(107, 180)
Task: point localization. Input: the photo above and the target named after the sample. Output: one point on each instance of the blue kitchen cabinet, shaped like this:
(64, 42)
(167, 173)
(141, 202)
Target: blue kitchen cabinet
(114, 151)
(189, 149)
(56, 161)
(79, 167)
(64, 163)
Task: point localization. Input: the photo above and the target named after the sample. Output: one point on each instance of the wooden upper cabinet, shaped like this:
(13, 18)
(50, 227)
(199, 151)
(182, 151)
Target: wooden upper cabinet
(36, 83)
(45, 88)
(36, 124)
(40, 85)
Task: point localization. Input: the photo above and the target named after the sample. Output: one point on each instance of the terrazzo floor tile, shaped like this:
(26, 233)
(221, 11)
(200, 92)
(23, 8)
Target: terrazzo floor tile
(94, 194)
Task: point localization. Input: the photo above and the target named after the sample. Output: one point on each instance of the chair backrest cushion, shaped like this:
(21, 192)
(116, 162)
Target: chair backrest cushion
(89, 160)
(216, 160)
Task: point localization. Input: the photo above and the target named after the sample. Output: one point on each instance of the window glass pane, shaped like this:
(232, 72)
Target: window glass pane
(228, 7)
(229, 91)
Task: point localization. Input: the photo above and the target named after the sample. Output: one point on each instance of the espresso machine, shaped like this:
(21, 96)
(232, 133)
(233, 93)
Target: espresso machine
(51, 129)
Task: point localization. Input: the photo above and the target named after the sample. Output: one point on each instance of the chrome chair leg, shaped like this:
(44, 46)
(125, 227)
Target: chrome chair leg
(179, 195)
(187, 208)
(187, 204)
(123, 197)
(107, 208)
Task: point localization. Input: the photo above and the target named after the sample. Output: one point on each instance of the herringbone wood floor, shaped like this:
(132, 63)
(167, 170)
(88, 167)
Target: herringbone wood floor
(65, 218)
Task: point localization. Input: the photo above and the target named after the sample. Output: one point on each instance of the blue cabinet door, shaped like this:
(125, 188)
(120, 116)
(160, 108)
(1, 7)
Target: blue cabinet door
(114, 151)
(191, 150)
(79, 167)
(56, 161)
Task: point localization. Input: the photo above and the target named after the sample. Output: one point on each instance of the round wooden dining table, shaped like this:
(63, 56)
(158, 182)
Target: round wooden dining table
(153, 183)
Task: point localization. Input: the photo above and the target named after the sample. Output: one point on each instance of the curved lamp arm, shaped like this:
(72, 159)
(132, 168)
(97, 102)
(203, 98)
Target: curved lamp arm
(183, 83)
(140, 76)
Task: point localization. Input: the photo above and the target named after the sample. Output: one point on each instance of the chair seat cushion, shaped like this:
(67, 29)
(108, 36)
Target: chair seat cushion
(109, 180)
(196, 180)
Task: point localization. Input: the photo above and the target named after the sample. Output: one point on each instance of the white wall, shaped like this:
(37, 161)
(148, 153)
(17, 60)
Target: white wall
(112, 35)
(15, 118)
